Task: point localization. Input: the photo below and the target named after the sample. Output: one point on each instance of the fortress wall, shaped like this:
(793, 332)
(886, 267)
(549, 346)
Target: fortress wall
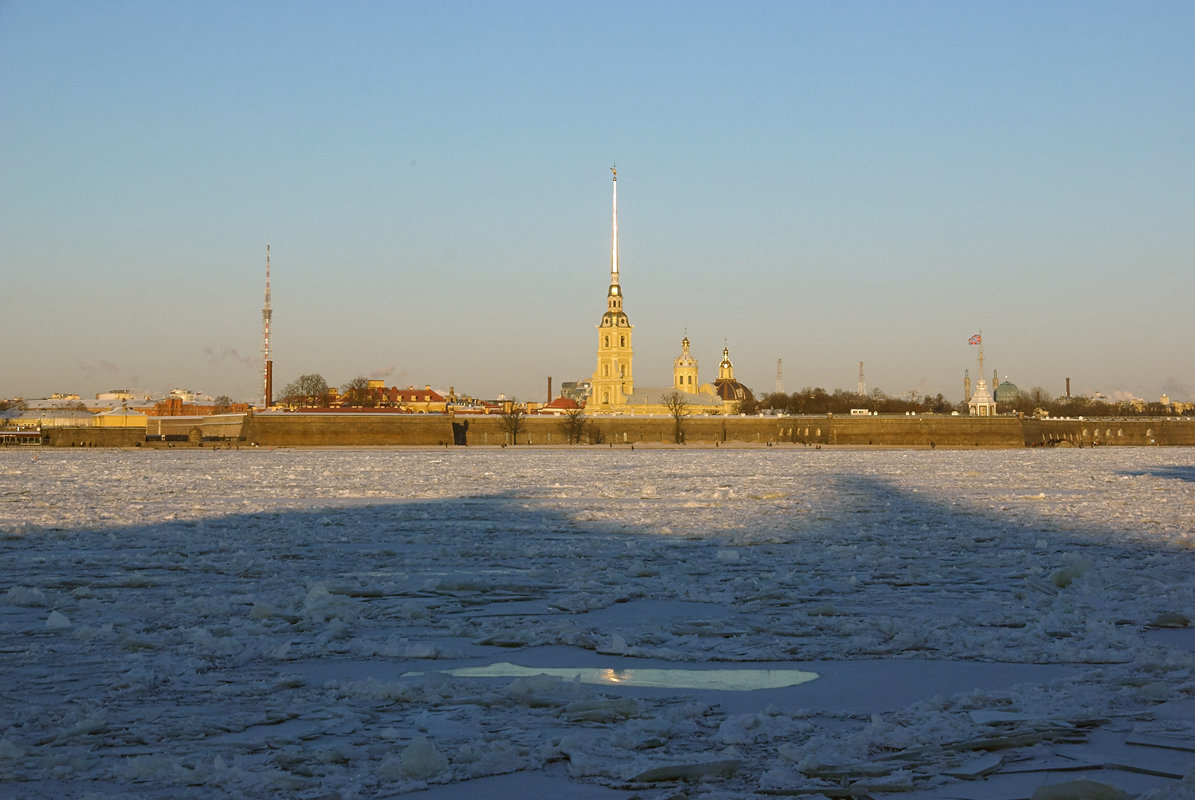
(315, 430)
(297, 430)
(352, 430)
(1111, 431)
(707, 430)
(924, 431)
(92, 436)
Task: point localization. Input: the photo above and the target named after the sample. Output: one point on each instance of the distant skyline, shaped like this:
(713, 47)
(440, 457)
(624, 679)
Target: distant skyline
(823, 183)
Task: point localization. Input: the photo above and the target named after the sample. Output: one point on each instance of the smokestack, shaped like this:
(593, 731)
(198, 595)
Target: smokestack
(1068, 388)
(549, 388)
(269, 383)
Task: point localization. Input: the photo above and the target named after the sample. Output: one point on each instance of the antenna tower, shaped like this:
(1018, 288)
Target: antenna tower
(266, 313)
(862, 383)
(779, 377)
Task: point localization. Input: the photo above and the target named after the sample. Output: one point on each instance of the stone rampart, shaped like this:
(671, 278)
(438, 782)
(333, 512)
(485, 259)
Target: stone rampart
(364, 429)
(297, 430)
(92, 436)
(1104, 431)
(315, 430)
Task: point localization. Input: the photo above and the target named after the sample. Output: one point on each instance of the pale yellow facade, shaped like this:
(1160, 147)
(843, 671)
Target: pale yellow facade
(613, 383)
(121, 418)
(613, 379)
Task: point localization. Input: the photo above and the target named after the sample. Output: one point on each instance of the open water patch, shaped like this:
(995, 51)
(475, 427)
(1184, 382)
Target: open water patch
(724, 680)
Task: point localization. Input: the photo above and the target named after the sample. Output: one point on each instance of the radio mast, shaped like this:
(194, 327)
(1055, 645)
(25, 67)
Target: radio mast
(862, 383)
(266, 313)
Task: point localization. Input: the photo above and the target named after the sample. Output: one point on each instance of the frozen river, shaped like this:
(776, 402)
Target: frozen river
(595, 623)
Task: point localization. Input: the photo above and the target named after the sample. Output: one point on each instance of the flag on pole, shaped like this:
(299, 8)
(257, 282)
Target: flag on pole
(976, 339)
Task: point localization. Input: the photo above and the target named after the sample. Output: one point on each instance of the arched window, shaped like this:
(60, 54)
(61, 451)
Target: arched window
(605, 341)
(622, 341)
(605, 370)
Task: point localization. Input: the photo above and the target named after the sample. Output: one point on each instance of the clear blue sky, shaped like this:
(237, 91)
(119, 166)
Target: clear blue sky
(824, 183)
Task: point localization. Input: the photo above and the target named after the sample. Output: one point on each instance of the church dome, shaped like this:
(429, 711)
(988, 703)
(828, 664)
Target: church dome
(1007, 392)
(685, 359)
(731, 390)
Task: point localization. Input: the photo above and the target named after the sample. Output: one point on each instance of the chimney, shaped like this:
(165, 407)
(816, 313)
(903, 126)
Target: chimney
(1068, 388)
(549, 388)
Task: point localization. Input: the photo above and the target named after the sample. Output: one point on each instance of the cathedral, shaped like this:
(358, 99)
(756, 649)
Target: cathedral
(614, 390)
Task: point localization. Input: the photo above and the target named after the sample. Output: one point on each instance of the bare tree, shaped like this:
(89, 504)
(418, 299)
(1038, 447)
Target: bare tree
(678, 409)
(307, 391)
(513, 419)
(221, 404)
(573, 425)
(593, 433)
(357, 393)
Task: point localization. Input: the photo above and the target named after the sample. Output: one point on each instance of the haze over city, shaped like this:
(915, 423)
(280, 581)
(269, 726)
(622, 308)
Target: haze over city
(819, 183)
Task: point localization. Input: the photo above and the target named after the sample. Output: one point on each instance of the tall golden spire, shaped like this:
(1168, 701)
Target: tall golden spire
(614, 232)
(612, 380)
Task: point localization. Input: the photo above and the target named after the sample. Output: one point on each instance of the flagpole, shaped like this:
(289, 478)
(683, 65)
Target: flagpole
(981, 354)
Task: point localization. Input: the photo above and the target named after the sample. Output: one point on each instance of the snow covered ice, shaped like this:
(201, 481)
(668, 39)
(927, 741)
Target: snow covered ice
(364, 623)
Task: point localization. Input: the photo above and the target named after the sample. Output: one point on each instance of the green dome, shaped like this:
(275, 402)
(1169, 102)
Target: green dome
(1007, 392)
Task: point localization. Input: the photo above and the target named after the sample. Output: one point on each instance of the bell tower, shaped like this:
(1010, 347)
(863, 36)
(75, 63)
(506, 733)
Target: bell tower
(612, 380)
(725, 367)
(684, 369)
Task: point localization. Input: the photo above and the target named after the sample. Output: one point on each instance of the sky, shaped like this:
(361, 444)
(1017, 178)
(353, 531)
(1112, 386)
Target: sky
(821, 183)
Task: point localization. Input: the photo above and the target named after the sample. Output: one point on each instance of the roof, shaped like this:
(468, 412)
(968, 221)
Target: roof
(33, 414)
(653, 396)
(731, 389)
(120, 412)
(564, 404)
(412, 395)
(1006, 392)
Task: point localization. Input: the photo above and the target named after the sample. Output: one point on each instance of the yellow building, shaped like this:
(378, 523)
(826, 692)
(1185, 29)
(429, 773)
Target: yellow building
(614, 390)
(721, 397)
(122, 417)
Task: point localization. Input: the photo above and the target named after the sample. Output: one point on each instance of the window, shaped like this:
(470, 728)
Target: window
(605, 341)
(622, 341)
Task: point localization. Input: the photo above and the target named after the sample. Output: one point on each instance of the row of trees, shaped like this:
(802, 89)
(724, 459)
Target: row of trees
(307, 391)
(312, 391)
(819, 401)
(1035, 400)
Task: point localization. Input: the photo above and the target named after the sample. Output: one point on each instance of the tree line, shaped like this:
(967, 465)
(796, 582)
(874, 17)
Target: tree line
(1037, 400)
(816, 400)
(312, 391)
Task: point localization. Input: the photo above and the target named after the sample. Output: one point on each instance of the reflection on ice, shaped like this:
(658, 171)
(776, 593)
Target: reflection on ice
(729, 680)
